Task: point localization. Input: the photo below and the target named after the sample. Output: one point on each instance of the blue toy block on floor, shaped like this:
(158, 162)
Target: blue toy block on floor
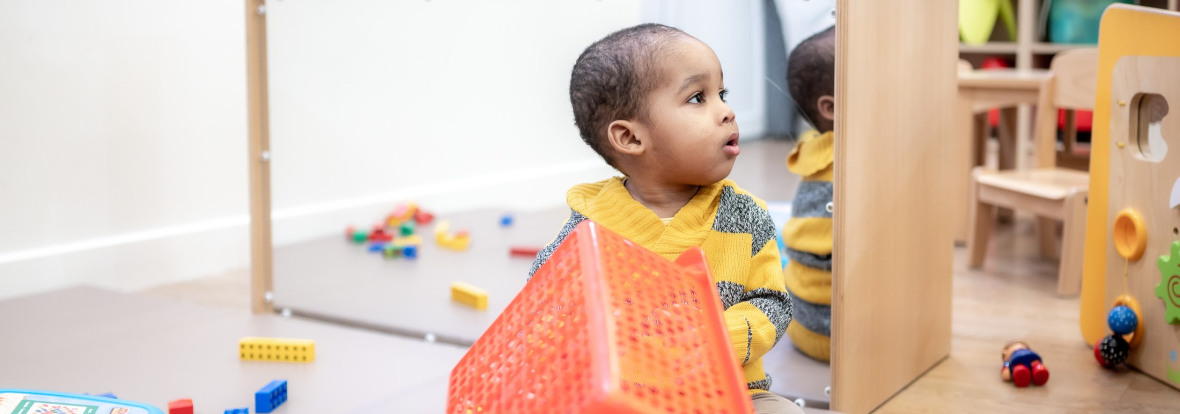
(410, 252)
(271, 396)
(238, 411)
(506, 220)
(376, 247)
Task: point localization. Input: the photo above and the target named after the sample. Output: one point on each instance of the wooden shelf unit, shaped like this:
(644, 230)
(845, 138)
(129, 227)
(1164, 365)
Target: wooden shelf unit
(1026, 47)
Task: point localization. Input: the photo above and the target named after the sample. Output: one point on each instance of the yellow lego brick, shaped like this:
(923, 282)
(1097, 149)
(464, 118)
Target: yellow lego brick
(454, 243)
(441, 229)
(276, 349)
(408, 241)
(469, 295)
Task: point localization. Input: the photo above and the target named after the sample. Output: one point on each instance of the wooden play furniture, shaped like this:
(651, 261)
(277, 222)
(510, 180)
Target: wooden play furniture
(1133, 228)
(979, 91)
(1075, 74)
(1053, 193)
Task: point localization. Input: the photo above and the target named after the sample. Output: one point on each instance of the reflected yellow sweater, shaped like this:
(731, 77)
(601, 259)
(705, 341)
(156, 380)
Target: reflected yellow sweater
(808, 237)
(738, 237)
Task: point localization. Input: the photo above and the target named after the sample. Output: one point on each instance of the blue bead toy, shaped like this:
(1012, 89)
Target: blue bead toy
(1122, 320)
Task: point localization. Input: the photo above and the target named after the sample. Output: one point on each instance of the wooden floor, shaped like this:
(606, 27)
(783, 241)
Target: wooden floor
(1011, 298)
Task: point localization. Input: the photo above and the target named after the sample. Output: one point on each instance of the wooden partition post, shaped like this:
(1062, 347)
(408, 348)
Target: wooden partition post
(895, 100)
(259, 157)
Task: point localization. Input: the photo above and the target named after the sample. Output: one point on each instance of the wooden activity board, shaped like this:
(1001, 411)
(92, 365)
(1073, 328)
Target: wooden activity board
(1133, 226)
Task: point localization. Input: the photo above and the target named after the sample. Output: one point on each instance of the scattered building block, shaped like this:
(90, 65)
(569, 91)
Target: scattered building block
(469, 295)
(524, 251)
(402, 213)
(237, 411)
(506, 220)
(414, 240)
(182, 406)
(423, 218)
(458, 241)
(392, 250)
(276, 349)
(410, 252)
(407, 228)
(359, 237)
(271, 396)
(377, 247)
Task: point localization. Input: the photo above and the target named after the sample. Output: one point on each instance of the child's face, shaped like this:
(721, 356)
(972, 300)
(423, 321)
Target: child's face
(691, 131)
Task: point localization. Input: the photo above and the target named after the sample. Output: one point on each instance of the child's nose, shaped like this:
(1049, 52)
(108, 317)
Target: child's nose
(727, 114)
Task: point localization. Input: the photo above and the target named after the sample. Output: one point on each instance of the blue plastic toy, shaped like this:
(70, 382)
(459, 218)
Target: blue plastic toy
(506, 220)
(1122, 320)
(31, 401)
(410, 252)
(238, 411)
(271, 396)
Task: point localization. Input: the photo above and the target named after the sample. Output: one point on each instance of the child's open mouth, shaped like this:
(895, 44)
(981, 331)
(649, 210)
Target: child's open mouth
(731, 146)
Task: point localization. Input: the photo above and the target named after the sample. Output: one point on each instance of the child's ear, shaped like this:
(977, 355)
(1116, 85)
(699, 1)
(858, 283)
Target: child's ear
(624, 137)
(827, 107)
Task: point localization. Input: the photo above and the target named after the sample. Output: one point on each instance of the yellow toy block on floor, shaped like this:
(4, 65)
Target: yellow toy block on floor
(1132, 227)
(407, 241)
(458, 241)
(469, 295)
(401, 214)
(276, 349)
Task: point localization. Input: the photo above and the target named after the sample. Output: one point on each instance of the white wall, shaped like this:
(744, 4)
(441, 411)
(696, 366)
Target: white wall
(123, 123)
(734, 29)
(455, 104)
(121, 142)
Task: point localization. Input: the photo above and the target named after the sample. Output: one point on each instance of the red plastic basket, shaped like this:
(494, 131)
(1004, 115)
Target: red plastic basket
(605, 326)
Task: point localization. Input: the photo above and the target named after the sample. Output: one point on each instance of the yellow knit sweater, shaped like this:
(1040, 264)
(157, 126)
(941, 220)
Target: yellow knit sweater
(738, 237)
(808, 237)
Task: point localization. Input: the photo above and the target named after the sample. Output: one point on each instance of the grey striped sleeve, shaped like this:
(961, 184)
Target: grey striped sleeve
(543, 255)
(811, 199)
(762, 384)
(811, 260)
(813, 316)
(776, 305)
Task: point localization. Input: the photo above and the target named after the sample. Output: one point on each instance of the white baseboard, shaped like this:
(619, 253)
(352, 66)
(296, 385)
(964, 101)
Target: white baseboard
(144, 259)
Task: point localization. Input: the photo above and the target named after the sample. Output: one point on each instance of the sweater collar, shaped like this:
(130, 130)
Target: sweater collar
(813, 153)
(608, 203)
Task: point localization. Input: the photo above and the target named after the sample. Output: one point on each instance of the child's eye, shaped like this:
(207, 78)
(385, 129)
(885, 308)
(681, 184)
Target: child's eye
(724, 93)
(696, 98)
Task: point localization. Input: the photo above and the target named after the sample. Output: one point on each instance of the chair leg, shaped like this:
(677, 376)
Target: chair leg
(979, 123)
(1047, 237)
(1069, 275)
(981, 220)
(1006, 134)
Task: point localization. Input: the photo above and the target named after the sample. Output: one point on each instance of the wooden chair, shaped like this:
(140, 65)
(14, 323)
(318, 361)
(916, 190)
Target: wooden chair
(1052, 193)
(1074, 90)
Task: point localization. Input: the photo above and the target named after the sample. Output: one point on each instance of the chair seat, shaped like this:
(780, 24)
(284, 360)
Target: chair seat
(1048, 183)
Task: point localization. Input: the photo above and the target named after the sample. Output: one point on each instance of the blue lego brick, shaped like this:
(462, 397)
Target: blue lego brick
(410, 252)
(237, 411)
(376, 247)
(506, 220)
(271, 396)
